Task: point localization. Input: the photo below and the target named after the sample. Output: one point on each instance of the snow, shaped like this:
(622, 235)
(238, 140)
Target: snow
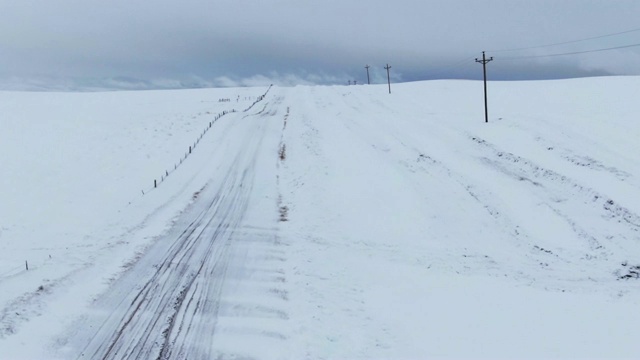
(329, 222)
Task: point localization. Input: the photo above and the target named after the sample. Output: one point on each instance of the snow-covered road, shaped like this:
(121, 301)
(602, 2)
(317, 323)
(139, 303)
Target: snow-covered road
(167, 304)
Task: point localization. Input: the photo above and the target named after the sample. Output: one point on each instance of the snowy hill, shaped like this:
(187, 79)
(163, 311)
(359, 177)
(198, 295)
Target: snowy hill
(322, 222)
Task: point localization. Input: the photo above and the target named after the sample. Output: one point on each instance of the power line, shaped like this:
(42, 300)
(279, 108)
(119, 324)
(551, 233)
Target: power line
(455, 65)
(570, 53)
(464, 62)
(565, 42)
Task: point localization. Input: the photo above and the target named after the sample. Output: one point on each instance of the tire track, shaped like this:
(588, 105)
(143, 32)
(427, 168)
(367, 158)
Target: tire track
(172, 314)
(617, 226)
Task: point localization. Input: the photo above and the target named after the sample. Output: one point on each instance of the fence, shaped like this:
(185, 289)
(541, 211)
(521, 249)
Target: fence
(192, 147)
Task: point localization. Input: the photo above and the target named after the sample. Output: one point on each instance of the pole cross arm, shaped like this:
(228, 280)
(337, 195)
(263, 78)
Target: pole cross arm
(484, 61)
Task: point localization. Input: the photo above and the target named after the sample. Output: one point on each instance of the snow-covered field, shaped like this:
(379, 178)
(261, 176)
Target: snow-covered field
(323, 222)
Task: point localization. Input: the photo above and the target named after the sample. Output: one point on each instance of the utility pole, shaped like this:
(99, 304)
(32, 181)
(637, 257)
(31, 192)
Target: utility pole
(484, 62)
(368, 81)
(355, 82)
(388, 78)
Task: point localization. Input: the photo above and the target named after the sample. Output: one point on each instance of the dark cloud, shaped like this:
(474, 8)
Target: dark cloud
(191, 43)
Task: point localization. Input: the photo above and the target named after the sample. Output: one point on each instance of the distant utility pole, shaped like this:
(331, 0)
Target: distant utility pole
(368, 81)
(355, 82)
(388, 77)
(484, 62)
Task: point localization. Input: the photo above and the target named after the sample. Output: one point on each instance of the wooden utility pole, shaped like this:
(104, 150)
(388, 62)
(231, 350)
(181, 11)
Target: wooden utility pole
(368, 81)
(484, 62)
(388, 77)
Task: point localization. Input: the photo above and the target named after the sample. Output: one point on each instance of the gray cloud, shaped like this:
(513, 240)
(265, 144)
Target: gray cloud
(192, 43)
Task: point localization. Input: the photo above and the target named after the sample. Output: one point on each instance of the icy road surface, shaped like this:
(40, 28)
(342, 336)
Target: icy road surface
(166, 306)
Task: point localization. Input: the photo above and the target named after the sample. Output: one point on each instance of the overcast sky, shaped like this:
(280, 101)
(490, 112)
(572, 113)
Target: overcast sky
(192, 43)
